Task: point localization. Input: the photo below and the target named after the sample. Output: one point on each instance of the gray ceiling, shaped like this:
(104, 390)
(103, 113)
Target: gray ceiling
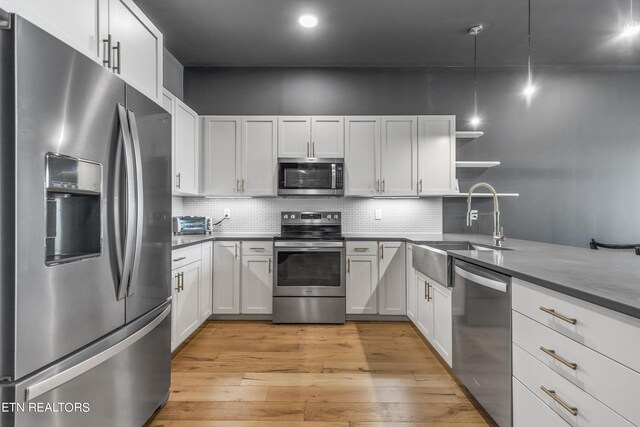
(392, 32)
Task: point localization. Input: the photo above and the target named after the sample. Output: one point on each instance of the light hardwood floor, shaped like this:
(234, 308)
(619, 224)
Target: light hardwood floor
(360, 374)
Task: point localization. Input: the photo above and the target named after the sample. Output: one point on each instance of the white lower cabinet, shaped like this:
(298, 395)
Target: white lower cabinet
(362, 282)
(257, 284)
(529, 411)
(433, 315)
(185, 302)
(392, 286)
(226, 277)
(412, 294)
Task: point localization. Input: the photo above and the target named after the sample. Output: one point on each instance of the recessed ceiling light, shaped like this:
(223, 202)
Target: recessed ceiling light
(631, 29)
(308, 20)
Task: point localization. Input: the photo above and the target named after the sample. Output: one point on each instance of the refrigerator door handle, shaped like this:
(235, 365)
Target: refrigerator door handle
(139, 211)
(130, 217)
(65, 376)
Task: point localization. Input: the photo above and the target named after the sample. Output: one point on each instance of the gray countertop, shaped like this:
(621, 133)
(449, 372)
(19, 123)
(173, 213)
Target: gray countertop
(607, 279)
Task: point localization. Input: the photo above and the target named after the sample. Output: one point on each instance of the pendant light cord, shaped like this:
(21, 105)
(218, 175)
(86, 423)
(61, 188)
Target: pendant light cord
(529, 44)
(475, 75)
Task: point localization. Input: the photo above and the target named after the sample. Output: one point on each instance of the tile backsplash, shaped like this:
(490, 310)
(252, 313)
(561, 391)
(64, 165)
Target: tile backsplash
(358, 215)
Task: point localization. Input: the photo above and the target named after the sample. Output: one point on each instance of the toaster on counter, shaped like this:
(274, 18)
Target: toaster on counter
(192, 225)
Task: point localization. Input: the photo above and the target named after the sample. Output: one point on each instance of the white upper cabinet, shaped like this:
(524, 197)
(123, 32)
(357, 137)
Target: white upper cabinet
(294, 136)
(222, 151)
(75, 22)
(327, 136)
(362, 162)
(186, 153)
(399, 156)
(136, 48)
(259, 156)
(436, 155)
(114, 33)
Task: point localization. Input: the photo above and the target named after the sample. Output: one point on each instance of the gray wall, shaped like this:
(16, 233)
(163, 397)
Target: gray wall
(173, 75)
(573, 154)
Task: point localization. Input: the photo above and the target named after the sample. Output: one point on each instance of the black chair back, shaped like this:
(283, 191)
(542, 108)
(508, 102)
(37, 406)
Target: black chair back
(611, 247)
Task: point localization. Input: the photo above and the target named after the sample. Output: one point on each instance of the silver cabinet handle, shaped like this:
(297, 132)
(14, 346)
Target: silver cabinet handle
(257, 249)
(378, 186)
(426, 292)
(552, 394)
(180, 259)
(562, 360)
(178, 180)
(349, 266)
(420, 186)
(181, 281)
(360, 249)
(313, 149)
(106, 51)
(117, 68)
(63, 377)
(177, 288)
(237, 185)
(381, 251)
(308, 149)
(558, 315)
(270, 261)
(242, 183)
(235, 246)
(383, 186)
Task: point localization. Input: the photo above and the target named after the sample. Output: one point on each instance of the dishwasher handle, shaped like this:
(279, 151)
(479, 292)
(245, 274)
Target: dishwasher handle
(481, 280)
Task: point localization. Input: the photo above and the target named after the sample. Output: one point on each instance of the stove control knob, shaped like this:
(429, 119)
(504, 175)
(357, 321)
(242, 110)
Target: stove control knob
(293, 217)
(286, 217)
(328, 216)
(335, 217)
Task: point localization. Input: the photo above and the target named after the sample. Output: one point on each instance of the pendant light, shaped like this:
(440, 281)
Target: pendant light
(633, 27)
(529, 89)
(474, 31)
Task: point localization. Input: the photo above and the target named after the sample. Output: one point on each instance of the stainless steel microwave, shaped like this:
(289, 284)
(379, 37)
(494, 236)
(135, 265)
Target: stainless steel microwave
(311, 177)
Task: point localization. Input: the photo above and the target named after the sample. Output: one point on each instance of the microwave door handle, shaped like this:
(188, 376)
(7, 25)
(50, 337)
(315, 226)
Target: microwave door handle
(130, 202)
(333, 176)
(139, 211)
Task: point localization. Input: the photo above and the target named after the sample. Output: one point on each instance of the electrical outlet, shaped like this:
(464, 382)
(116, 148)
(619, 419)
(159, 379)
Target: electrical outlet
(378, 214)
(227, 213)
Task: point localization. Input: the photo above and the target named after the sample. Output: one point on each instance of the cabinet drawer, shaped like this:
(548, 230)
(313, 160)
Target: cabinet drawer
(257, 248)
(184, 256)
(613, 334)
(593, 373)
(529, 411)
(362, 248)
(588, 411)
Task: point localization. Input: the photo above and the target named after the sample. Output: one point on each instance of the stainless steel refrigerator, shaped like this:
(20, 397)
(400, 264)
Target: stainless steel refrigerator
(85, 223)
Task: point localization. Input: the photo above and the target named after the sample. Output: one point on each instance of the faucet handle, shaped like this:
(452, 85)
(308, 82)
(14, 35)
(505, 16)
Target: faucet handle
(502, 236)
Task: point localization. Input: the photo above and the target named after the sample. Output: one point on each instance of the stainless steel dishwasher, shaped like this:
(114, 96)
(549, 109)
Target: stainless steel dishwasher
(481, 307)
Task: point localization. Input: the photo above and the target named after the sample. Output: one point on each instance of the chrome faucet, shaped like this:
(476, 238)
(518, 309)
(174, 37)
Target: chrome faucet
(498, 233)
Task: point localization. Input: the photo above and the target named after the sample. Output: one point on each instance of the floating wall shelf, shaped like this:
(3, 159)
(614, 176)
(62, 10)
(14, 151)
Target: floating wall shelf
(478, 164)
(482, 195)
(469, 134)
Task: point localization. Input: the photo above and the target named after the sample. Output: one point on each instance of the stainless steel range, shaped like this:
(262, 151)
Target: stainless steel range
(309, 278)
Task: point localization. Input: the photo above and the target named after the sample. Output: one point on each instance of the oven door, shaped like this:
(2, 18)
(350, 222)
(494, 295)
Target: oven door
(318, 177)
(309, 269)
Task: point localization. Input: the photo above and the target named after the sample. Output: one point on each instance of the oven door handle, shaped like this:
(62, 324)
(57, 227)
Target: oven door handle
(307, 246)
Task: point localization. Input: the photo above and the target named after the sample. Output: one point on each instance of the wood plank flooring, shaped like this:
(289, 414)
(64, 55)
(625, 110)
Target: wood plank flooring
(361, 374)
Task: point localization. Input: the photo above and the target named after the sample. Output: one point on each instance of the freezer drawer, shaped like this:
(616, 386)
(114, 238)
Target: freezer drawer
(120, 380)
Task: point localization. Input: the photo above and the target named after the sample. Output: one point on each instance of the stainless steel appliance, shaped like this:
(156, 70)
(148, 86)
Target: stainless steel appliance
(85, 237)
(310, 274)
(192, 225)
(481, 306)
(310, 177)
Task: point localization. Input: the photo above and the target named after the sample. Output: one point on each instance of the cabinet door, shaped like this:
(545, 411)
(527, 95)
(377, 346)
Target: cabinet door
(362, 156)
(327, 136)
(362, 283)
(140, 56)
(442, 336)
(436, 154)
(425, 307)
(257, 284)
(185, 153)
(412, 300)
(226, 278)
(206, 285)
(167, 102)
(222, 152)
(294, 136)
(392, 285)
(259, 156)
(187, 316)
(75, 22)
(399, 156)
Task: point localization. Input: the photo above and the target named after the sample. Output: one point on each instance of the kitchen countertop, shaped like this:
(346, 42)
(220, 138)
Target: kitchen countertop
(607, 279)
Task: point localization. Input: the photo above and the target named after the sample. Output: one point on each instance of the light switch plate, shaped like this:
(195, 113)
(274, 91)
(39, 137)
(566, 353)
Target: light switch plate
(378, 214)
